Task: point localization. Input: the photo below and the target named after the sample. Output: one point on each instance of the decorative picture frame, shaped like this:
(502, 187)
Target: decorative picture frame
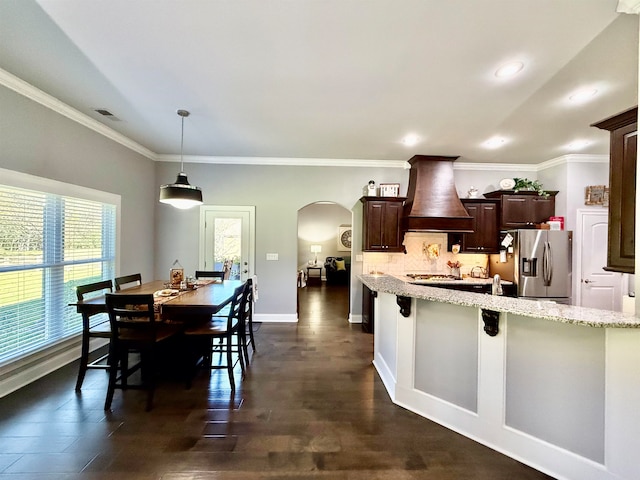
(389, 189)
(344, 238)
(596, 195)
(176, 276)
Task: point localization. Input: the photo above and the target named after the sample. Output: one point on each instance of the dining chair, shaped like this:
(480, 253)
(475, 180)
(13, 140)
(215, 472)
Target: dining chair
(202, 337)
(95, 324)
(246, 324)
(249, 314)
(134, 329)
(218, 276)
(127, 281)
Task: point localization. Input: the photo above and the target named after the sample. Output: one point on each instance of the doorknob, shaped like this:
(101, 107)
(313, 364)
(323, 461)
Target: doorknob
(589, 281)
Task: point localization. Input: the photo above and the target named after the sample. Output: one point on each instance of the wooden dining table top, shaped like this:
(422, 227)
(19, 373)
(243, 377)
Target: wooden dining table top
(205, 299)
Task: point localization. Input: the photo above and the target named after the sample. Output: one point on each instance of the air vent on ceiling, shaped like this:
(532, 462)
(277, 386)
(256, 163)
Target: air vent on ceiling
(106, 113)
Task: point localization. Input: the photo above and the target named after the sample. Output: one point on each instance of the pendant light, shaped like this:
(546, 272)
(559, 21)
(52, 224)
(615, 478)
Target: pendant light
(181, 194)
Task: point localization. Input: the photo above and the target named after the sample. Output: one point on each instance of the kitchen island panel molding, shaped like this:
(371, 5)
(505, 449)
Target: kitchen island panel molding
(555, 384)
(611, 445)
(447, 347)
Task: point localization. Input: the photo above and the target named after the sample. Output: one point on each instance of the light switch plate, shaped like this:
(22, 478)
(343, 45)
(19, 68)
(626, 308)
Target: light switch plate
(272, 256)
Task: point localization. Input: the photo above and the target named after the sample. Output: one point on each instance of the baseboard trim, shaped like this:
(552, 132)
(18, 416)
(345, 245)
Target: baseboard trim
(26, 373)
(355, 318)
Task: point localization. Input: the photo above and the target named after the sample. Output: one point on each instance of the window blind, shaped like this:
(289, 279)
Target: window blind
(49, 244)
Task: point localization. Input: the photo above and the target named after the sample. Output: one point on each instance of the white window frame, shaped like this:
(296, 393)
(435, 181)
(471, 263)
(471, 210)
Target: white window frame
(30, 182)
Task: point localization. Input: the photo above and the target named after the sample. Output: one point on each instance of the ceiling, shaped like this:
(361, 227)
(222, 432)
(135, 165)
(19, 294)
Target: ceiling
(332, 79)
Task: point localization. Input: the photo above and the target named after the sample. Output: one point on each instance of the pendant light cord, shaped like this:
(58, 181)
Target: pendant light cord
(182, 147)
(183, 114)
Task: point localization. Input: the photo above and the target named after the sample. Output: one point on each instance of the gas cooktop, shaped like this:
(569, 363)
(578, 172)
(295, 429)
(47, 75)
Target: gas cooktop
(430, 277)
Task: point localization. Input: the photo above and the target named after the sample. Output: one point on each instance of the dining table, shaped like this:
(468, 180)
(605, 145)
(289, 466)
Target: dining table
(206, 299)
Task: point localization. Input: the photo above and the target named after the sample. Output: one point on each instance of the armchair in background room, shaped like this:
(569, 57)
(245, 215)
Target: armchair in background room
(338, 270)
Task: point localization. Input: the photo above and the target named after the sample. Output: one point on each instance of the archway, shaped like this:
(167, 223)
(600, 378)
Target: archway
(323, 230)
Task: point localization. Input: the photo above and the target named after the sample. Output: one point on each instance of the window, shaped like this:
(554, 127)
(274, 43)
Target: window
(51, 240)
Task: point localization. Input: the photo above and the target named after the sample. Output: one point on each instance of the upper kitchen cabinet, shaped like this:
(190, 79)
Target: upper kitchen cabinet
(381, 229)
(524, 209)
(622, 189)
(485, 238)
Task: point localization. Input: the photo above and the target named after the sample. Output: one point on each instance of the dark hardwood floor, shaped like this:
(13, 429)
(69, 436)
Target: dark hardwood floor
(311, 406)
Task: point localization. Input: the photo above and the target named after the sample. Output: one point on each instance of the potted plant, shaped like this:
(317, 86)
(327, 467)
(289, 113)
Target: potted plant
(524, 184)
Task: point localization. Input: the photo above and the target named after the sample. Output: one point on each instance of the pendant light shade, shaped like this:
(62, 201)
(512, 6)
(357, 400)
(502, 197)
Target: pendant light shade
(181, 194)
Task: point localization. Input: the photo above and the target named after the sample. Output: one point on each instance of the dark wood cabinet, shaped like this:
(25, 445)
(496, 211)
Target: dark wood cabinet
(381, 229)
(622, 189)
(368, 308)
(523, 209)
(485, 236)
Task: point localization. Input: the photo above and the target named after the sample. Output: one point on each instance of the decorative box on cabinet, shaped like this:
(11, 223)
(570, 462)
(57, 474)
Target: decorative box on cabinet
(381, 229)
(523, 209)
(622, 189)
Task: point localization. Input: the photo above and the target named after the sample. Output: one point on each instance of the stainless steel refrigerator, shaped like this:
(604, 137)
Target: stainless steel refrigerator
(542, 264)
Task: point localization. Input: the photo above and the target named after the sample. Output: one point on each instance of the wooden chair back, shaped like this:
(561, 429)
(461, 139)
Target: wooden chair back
(126, 280)
(132, 318)
(92, 290)
(218, 276)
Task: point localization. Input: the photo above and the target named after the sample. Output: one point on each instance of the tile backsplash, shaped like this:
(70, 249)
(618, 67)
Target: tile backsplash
(421, 257)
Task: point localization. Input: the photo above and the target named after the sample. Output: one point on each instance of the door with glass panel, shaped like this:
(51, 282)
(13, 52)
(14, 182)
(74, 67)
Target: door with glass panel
(227, 239)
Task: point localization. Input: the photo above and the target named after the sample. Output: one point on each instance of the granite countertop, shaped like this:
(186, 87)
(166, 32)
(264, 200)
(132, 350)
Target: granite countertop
(519, 306)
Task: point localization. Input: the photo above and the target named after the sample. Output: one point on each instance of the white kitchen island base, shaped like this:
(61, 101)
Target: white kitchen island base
(559, 397)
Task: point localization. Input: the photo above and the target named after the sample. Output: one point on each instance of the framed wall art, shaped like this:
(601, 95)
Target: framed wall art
(596, 195)
(344, 238)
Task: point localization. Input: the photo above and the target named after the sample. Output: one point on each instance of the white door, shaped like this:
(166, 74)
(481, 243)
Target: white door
(227, 240)
(598, 288)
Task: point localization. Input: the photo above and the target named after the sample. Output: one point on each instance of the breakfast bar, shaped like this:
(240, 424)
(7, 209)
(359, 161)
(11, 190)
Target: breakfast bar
(554, 386)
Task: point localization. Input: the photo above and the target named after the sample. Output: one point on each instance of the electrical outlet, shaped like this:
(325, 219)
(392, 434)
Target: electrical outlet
(272, 256)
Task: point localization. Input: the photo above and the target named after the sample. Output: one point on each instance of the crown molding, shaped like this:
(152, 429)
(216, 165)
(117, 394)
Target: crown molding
(572, 158)
(286, 161)
(628, 6)
(29, 91)
(505, 167)
(338, 162)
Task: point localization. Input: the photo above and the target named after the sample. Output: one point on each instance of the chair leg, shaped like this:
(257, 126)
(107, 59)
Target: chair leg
(84, 360)
(240, 353)
(113, 375)
(148, 375)
(253, 342)
(230, 362)
(242, 344)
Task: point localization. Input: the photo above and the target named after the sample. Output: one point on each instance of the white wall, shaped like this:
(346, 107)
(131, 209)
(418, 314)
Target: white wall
(38, 141)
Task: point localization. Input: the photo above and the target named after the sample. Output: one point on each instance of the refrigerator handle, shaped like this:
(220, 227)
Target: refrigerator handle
(547, 265)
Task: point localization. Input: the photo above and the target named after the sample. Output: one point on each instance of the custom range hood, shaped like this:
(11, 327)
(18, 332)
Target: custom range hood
(432, 200)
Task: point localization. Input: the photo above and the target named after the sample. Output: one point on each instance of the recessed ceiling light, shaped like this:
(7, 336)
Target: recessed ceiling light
(509, 69)
(578, 145)
(495, 142)
(410, 140)
(583, 95)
